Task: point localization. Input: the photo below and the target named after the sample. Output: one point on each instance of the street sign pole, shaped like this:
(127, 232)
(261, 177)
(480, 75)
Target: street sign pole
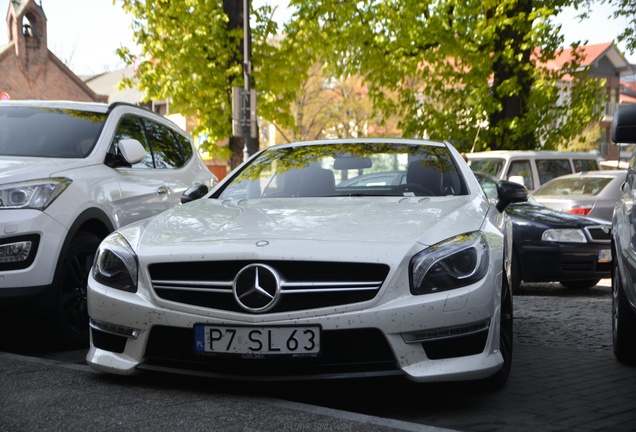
(247, 66)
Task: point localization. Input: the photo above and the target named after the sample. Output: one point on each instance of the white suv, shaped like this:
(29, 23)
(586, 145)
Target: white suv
(532, 168)
(71, 173)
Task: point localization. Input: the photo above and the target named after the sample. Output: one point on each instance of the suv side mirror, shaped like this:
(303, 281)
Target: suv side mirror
(132, 150)
(510, 192)
(194, 193)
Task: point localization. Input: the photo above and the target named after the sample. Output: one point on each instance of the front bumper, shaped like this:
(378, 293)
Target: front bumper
(549, 262)
(29, 284)
(446, 336)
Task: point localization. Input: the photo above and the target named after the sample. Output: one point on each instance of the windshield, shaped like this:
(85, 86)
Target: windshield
(352, 169)
(493, 166)
(46, 132)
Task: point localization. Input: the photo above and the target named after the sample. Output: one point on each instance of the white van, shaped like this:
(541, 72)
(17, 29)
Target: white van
(532, 168)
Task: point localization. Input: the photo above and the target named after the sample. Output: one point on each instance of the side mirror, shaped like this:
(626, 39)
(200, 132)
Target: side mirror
(132, 150)
(510, 192)
(194, 193)
(624, 125)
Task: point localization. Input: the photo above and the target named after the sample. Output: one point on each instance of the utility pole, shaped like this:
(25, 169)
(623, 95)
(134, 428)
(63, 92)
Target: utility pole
(247, 69)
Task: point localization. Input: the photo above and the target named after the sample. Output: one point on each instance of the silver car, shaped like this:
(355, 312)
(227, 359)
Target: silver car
(624, 247)
(282, 273)
(593, 193)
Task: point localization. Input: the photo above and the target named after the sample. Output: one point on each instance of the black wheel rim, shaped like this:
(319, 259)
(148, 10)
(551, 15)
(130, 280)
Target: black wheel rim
(73, 292)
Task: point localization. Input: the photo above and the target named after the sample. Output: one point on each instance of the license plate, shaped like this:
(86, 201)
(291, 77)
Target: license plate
(605, 255)
(257, 341)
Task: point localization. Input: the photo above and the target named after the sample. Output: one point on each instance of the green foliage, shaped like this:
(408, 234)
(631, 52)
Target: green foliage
(187, 57)
(461, 70)
(464, 71)
(190, 56)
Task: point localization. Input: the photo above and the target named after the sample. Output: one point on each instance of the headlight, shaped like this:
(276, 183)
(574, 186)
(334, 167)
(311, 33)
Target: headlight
(564, 236)
(34, 194)
(116, 264)
(451, 264)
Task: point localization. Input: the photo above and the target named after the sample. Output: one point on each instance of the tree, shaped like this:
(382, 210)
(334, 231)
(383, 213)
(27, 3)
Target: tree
(466, 71)
(191, 53)
(327, 107)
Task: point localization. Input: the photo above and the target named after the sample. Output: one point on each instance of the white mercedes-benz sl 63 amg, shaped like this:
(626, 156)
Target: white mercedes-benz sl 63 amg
(288, 270)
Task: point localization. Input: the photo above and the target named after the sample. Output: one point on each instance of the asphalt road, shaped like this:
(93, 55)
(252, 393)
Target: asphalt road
(564, 378)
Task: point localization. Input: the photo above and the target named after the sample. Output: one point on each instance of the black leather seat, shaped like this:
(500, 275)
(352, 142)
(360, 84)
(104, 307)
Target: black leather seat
(420, 174)
(317, 182)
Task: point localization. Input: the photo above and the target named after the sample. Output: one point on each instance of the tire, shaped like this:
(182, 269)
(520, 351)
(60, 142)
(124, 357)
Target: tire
(515, 273)
(69, 314)
(499, 379)
(623, 321)
(580, 284)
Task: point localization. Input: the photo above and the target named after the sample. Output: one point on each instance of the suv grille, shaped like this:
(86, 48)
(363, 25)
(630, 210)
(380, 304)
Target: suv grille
(304, 284)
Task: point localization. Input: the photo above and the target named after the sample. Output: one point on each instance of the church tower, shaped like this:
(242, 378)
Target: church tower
(26, 23)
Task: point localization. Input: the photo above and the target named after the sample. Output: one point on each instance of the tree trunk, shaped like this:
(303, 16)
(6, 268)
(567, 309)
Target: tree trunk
(503, 133)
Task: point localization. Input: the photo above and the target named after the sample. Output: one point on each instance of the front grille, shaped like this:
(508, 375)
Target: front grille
(578, 266)
(599, 234)
(355, 351)
(304, 284)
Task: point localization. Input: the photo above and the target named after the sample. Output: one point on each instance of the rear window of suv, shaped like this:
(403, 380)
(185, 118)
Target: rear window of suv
(46, 132)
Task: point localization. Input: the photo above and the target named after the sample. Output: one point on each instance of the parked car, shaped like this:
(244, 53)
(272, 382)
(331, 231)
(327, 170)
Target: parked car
(624, 247)
(280, 274)
(71, 173)
(532, 168)
(591, 193)
(553, 246)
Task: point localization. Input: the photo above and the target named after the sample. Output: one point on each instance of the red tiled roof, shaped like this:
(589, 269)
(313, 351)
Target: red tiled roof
(588, 53)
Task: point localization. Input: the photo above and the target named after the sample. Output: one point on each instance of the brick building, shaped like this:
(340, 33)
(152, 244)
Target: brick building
(28, 70)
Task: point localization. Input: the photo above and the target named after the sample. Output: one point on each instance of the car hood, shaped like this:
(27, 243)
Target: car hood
(14, 169)
(334, 220)
(548, 217)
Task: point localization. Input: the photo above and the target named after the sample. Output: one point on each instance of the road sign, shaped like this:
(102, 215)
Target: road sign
(243, 114)
(4, 96)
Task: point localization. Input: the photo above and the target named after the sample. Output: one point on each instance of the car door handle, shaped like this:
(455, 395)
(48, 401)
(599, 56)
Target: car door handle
(162, 190)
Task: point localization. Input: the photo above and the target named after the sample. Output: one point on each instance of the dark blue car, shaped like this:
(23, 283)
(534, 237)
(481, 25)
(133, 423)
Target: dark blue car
(554, 246)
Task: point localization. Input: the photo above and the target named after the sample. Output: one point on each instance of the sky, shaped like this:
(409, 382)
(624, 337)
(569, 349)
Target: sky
(84, 34)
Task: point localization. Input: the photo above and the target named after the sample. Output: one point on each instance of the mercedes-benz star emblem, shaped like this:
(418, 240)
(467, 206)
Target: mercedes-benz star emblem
(257, 288)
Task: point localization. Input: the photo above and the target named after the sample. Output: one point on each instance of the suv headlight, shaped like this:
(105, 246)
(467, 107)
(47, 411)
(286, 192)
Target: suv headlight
(33, 194)
(116, 264)
(564, 236)
(451, 264)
